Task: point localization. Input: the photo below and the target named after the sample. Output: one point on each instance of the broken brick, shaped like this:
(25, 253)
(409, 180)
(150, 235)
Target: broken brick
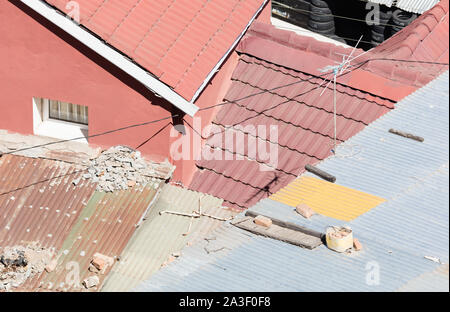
(51, 266)
(356, 244)
(305, 211)
(263, 221)
(100, 262)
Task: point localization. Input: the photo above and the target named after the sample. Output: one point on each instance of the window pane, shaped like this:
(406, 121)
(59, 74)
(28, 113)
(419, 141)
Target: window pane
(68, 112)
(54, 109)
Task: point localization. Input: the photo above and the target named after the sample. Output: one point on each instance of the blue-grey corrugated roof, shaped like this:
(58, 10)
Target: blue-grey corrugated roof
(413, 223)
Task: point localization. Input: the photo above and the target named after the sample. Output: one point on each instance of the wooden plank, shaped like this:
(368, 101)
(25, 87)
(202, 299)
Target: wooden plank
(287, 225)
(279, 233)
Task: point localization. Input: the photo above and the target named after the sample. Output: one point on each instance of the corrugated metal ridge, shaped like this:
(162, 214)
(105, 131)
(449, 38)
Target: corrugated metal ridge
(161, 235)
(416, 6)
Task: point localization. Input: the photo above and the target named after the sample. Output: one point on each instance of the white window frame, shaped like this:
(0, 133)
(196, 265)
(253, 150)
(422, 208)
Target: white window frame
(43, 125)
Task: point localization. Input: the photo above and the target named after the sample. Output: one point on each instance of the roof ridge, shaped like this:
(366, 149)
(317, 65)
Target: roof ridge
(293, 40)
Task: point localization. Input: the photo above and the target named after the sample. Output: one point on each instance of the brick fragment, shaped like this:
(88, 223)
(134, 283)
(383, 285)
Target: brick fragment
(263, 221)
(356, 244)
(305, 210)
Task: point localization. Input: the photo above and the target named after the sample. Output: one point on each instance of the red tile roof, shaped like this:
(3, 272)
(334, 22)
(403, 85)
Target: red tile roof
(425, 39)
(270, 59)
(178, 41)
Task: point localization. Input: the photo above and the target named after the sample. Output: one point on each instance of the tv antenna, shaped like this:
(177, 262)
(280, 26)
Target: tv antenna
(338, 70)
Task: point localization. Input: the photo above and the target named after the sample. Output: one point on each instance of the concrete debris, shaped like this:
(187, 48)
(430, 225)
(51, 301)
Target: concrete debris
(91, 281)
(263, 221)
(19, 263)
(305, 211)
(120, 168)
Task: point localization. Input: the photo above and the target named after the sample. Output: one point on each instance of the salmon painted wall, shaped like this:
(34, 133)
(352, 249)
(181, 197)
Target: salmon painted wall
(37, 59)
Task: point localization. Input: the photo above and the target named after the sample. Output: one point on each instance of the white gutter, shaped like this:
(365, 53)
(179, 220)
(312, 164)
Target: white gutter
(70, 27)
(216, 68)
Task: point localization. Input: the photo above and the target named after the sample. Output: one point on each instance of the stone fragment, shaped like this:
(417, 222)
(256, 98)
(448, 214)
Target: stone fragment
(91, 281)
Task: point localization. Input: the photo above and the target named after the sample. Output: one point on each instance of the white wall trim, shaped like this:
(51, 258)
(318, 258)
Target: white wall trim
(70, 27)
(58, 129)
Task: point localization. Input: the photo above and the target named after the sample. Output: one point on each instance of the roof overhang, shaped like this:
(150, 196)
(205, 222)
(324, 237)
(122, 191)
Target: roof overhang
(115, 57)
(224, 57)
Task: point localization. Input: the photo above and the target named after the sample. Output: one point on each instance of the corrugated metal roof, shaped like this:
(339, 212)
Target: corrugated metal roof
(38, 202)
(104, 226)
(327, 198)
(302, 115)
(178, 41)
(425, 40)
(161, 235)
(396, 235)
(416, 6)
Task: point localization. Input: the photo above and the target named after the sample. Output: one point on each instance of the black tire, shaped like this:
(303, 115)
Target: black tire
(377, 37)
(385, 16)
(321, 14)
(375, 43)
(402, 18)
(320, 3)
(321, 18)
(321, 26)
(323, 11)
(327, 32)
(395, 29)
(379, 29)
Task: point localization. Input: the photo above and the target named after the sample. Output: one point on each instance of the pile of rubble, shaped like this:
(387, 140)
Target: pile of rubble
(119, 168)
(19, 263)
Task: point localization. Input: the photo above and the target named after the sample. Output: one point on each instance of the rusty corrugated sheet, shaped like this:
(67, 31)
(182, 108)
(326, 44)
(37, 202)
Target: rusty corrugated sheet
(104, 226)
(38, 202)
(161, 235)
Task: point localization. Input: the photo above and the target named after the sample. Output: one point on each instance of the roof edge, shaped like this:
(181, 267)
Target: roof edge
(227, 53)
(111, 55)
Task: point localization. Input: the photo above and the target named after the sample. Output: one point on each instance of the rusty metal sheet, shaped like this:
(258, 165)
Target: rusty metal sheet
(38, 201)
(104, 226)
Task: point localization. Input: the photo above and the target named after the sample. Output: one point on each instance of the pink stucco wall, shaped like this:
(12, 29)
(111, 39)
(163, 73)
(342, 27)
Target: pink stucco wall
(39, 60)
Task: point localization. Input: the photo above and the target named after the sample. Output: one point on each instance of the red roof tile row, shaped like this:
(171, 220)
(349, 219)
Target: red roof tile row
(425, 39)
(178, 41)
(272, 58)
(302, 115)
